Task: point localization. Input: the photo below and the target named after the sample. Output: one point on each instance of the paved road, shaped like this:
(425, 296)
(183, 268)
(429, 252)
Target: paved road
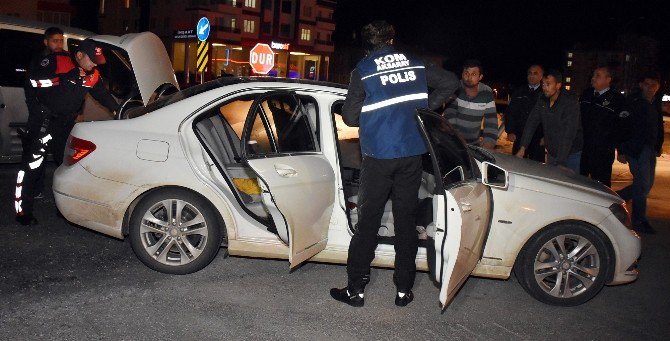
(59, 281)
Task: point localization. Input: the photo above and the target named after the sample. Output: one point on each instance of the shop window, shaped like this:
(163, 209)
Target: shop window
(305, 34)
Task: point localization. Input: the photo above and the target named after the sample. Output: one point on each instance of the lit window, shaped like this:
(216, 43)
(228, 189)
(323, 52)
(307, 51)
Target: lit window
(305, 34)
(126, 4)
(628, 58)
(567, 79)
(249, 26)
(569, 63)
(250, 3)
(569, 54)
(567, 87)
(233, 23)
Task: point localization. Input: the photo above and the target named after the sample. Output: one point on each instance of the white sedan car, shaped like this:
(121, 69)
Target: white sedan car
(266, 168)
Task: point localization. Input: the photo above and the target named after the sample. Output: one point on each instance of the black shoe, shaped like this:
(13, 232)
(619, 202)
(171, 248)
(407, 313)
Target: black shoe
(405, 299)
(645, 228)
(26, 219)
(353, 299)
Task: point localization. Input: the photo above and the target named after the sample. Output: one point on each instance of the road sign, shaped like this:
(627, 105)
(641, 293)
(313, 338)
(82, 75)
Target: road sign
(202, 56)
(226, 61)
(262, 59)
(202, 29)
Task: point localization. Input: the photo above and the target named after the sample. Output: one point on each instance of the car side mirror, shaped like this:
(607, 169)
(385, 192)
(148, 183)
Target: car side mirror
(494, 176)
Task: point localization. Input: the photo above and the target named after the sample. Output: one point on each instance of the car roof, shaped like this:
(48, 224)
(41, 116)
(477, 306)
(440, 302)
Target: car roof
(34, 24)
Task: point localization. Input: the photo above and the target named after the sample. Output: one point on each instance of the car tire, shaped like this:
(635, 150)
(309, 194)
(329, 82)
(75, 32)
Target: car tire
(175, 231)
(569, 275)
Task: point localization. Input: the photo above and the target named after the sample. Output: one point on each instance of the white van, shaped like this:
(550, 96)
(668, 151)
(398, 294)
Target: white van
(132, 57)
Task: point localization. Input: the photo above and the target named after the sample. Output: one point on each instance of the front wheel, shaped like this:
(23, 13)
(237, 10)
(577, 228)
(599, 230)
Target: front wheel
(174, 231)
(565, 264)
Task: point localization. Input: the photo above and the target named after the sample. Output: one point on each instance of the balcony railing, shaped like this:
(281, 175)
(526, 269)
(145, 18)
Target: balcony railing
(323, 42)
(226, 29)
(323, 19)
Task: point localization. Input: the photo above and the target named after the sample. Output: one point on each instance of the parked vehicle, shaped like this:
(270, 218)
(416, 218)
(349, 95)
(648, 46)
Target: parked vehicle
(266, 168)
(130, 57)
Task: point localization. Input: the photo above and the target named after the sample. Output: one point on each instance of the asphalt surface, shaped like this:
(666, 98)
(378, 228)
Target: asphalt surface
(60, 281)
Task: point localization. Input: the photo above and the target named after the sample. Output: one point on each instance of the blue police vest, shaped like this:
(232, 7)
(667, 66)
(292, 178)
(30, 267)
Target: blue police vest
(395, 86)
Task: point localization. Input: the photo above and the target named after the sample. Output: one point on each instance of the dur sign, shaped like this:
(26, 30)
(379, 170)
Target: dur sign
(261, 59)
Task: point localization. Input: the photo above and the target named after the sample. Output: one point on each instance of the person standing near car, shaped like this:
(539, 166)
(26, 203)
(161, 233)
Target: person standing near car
(60, 85)
(53, 43)
(473, 104)
(558, 112)
(385, 90)
(522, 102)
(638, 149)
(601, 110)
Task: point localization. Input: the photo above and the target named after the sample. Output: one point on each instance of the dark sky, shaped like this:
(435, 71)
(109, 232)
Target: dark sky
(507, 36)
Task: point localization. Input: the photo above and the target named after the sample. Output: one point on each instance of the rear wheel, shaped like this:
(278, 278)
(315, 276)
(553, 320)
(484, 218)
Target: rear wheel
(174, 231)
(565, 264)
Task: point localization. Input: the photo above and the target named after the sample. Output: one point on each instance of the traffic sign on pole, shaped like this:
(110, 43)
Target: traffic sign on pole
(262, 59)
(202, 29)
(202, 56)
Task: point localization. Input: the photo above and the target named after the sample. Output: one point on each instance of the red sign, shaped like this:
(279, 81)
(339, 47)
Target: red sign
(261, 58)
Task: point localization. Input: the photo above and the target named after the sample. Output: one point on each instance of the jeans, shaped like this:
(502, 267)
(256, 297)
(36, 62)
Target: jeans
(572, 162)
(643, 168)
(380, 178)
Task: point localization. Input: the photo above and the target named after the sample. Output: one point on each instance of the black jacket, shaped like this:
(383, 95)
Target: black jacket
(660, 135)
(641, 125)
(522, 102)
(58, 86)
(601, 118)
(561, 124)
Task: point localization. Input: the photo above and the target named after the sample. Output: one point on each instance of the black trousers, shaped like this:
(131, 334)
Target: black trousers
(44, 132)
(534, 151)
(398, 179)
(597, 163)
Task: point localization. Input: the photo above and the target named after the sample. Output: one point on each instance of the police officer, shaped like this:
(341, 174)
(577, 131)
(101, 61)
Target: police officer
(522, 102)
(60, 84)
(385, 90)
(601, 108)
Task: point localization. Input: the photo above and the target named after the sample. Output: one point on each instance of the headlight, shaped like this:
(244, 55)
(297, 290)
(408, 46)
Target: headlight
(621, 213)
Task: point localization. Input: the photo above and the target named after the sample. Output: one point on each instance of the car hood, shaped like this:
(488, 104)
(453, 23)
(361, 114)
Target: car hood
(546, 173)
(150, 61)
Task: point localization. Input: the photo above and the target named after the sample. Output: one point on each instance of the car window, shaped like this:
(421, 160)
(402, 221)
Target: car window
(18, 48)
(452, 154)
(285, 123)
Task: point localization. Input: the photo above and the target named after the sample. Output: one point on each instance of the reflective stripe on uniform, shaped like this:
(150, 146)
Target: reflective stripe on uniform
(44, 83)
(393, 70)
(19, 190)
(396, 100)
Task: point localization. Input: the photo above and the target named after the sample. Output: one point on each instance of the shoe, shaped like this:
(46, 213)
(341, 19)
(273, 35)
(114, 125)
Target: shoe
(645, 228)
(355, 300)
(26, 219)
(402, 299)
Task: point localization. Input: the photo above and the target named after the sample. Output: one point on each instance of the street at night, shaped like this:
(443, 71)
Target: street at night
(60, 281)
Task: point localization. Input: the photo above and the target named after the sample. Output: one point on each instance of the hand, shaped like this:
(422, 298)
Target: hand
(522, 151)
(542, 141)
(82, 73)
(621, 158)
(511, 137)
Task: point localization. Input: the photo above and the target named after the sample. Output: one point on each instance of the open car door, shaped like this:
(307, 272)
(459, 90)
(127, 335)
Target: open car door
(461, 205)
(297, 181)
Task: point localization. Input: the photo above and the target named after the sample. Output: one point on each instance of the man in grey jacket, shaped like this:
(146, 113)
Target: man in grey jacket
(558, 111)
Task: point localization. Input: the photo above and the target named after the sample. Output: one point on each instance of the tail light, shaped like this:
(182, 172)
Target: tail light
(77, 149)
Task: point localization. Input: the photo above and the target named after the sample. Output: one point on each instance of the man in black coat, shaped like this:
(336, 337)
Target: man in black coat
(600, 108)
(522, 102)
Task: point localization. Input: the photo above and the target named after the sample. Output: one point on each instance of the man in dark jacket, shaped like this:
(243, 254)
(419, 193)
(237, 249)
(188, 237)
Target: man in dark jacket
(60, 84)
(600, 109)
(638, 150)
(522, 102)
(385, 90)
(558, 111)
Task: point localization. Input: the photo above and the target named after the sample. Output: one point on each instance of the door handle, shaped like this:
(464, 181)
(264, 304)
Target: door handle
(285, 171)
(466, 207)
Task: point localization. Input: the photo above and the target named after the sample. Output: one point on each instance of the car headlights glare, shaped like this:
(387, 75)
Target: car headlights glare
(621, 213)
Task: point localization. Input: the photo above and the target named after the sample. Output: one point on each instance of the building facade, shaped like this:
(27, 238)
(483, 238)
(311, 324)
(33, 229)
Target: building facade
(58, 12)
(299, 32)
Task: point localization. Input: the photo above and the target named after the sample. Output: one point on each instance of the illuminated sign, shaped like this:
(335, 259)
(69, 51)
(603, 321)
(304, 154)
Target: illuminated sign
(185, 34)
(279, 46)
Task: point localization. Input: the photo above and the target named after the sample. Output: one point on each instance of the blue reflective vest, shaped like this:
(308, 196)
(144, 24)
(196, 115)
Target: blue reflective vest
(395, 86)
